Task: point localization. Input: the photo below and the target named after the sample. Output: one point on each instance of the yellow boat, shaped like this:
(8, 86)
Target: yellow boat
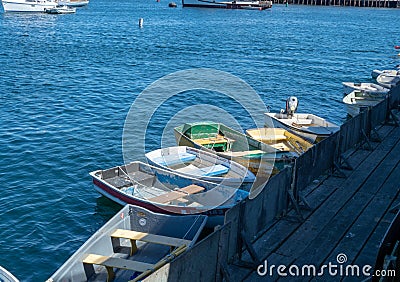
(280, 139)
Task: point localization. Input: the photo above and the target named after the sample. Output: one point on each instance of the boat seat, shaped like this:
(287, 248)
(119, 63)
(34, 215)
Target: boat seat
(214, 170)
(303, 121)
(244, 153)
(176, 194)
(214, 142)
(112, 262)
(134, 236)
(281, 147)
(170, 160)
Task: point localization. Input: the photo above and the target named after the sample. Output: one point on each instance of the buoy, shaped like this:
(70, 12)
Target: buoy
(141, 22)
(172, 5)
(397, 47)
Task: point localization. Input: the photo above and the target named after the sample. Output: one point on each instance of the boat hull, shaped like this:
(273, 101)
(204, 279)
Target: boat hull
(388, 81)
(216, 216)
(25, 6)
(261, 159)
(6, 276)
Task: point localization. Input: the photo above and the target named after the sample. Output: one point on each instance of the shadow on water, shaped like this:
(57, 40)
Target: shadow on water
(106, 209)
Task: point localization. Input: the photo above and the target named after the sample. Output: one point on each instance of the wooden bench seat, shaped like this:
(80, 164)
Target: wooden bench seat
(134, 236)
(244, 153)
(214, 170)
(110, 262)
(179, 193)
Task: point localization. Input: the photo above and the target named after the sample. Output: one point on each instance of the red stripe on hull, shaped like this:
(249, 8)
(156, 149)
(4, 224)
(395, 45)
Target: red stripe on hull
(167, 210)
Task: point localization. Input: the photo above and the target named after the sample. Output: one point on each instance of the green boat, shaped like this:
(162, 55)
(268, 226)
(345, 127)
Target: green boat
(260, 158)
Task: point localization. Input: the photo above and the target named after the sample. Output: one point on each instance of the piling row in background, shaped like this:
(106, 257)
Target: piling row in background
(247, 221)
(349, 3)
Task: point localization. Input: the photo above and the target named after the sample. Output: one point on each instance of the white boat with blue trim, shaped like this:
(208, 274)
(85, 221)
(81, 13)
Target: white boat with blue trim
(134, 243)
(205, 165)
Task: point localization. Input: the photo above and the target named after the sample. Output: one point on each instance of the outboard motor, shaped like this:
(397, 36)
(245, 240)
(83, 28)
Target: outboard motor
(291, 106)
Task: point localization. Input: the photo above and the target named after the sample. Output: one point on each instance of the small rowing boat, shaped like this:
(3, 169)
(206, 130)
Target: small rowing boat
(376, 73)
(281, 139)
(359, 99)
(163, 191)
(309, 126)
(262, 159)
(373, 88)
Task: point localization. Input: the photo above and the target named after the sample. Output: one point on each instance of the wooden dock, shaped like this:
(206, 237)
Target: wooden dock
(349, 216)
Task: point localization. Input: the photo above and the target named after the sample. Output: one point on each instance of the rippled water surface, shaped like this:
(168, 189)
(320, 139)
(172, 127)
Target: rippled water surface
(68, 81)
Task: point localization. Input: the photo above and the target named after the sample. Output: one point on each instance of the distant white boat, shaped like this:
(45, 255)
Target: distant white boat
(388, 81)
(6, 276)
(348, 87)
(376, 73)
(358, 99)
(28, 5)
(74, 3)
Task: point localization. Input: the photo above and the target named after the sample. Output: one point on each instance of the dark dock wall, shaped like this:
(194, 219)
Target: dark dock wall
(348, 3)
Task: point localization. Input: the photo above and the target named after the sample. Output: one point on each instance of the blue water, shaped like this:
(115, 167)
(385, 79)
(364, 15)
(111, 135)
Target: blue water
(67, 83)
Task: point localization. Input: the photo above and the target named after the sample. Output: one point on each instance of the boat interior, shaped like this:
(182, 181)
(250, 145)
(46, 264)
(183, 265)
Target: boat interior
(280, 139)
(132, 248)
(142, 182)
(198, 164)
